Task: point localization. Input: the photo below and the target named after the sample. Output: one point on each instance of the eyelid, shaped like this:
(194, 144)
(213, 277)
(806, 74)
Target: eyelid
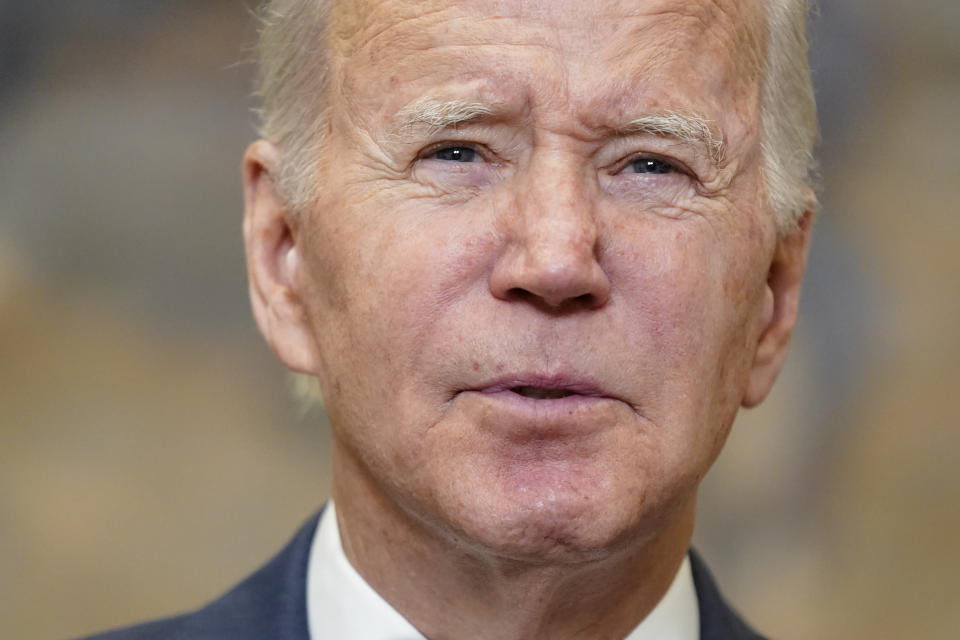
(677, 165)
(476, 147)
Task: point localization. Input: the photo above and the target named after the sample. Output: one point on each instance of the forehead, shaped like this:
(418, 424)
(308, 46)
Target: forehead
(593, 58)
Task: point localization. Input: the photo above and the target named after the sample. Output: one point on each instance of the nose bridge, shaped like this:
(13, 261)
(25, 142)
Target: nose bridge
(552, 254)
(558, 222)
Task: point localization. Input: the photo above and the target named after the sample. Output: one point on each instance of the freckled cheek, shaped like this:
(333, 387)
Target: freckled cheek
(408, 279)
(679, 309)
(670, 284)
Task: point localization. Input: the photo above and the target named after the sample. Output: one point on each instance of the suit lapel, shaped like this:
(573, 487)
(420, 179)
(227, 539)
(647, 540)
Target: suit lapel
(271, 603)
(718, 621)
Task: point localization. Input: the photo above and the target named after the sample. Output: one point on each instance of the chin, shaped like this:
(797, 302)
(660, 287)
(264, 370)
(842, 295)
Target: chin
(547, 513)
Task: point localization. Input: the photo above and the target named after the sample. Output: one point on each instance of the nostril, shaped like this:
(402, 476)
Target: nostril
(550, 283)
(557, 303)
(519, 293)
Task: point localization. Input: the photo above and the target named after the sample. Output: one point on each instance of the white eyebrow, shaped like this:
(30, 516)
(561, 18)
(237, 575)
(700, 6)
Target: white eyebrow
(440, 114)
(685, 127)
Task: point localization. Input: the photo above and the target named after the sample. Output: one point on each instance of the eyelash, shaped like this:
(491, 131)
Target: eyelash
(432, 150)
(653, 166)
(673, 166)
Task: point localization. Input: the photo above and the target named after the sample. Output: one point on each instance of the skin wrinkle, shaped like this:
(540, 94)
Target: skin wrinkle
(686, 128)
(747, 41)
(783, 186)
(748, 38)
(349, 19)
(442, 114)
(372, 40)
(702, 194)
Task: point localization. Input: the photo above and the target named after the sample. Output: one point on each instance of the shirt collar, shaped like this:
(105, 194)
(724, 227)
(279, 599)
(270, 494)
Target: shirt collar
(340, 603)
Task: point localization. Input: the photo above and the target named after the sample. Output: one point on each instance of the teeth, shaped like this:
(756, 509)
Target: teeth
(541, 394)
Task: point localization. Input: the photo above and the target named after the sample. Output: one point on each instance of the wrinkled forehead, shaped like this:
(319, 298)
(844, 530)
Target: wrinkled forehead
(600, 46)
(353, 16)
(356, 22)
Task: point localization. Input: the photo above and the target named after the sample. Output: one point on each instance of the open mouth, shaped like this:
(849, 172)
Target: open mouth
(540, 393)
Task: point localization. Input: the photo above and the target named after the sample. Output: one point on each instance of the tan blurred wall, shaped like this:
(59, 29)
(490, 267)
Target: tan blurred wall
(150, 456)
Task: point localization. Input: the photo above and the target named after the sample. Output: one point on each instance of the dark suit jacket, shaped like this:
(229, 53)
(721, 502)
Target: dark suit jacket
(271, 605)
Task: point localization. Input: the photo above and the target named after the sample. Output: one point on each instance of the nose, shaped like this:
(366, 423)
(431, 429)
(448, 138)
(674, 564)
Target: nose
(552, 256)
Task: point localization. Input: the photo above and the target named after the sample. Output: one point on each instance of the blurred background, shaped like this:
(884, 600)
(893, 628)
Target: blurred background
(151, 456)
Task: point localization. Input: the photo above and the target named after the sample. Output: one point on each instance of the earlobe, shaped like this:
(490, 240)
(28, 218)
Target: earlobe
(273, 262)
(780, 307)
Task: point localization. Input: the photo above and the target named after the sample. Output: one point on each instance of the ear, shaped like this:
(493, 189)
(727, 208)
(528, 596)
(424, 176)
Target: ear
(782, 298)
(270, 238)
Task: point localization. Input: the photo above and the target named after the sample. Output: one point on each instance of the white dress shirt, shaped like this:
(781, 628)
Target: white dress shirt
(342, 606)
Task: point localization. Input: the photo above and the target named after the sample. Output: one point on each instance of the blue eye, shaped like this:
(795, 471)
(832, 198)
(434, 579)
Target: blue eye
(455, 154)
(650, 165)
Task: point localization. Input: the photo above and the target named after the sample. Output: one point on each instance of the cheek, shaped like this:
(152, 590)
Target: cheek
(405, 317)
(695, 305)
(665, 278)
(386, 287)
(424, 272)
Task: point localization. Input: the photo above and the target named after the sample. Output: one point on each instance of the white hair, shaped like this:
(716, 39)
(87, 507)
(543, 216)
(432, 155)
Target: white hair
(292, 80)
(291, 83)
(788, 113)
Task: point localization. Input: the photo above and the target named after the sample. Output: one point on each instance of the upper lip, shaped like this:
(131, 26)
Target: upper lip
(578, 385)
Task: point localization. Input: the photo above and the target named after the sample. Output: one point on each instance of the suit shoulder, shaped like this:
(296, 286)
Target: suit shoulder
(225, 619)
(174, 628)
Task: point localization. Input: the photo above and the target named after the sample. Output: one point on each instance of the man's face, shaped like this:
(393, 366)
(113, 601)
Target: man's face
(533, 328)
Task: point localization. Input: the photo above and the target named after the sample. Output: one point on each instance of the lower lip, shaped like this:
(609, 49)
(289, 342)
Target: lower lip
(566, 414)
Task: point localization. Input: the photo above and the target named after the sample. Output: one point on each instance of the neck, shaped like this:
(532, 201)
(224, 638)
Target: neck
(443, 586)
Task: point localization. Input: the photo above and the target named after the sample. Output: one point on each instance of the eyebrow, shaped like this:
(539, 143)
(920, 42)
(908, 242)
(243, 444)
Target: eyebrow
(440, 114)
(685, 127)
